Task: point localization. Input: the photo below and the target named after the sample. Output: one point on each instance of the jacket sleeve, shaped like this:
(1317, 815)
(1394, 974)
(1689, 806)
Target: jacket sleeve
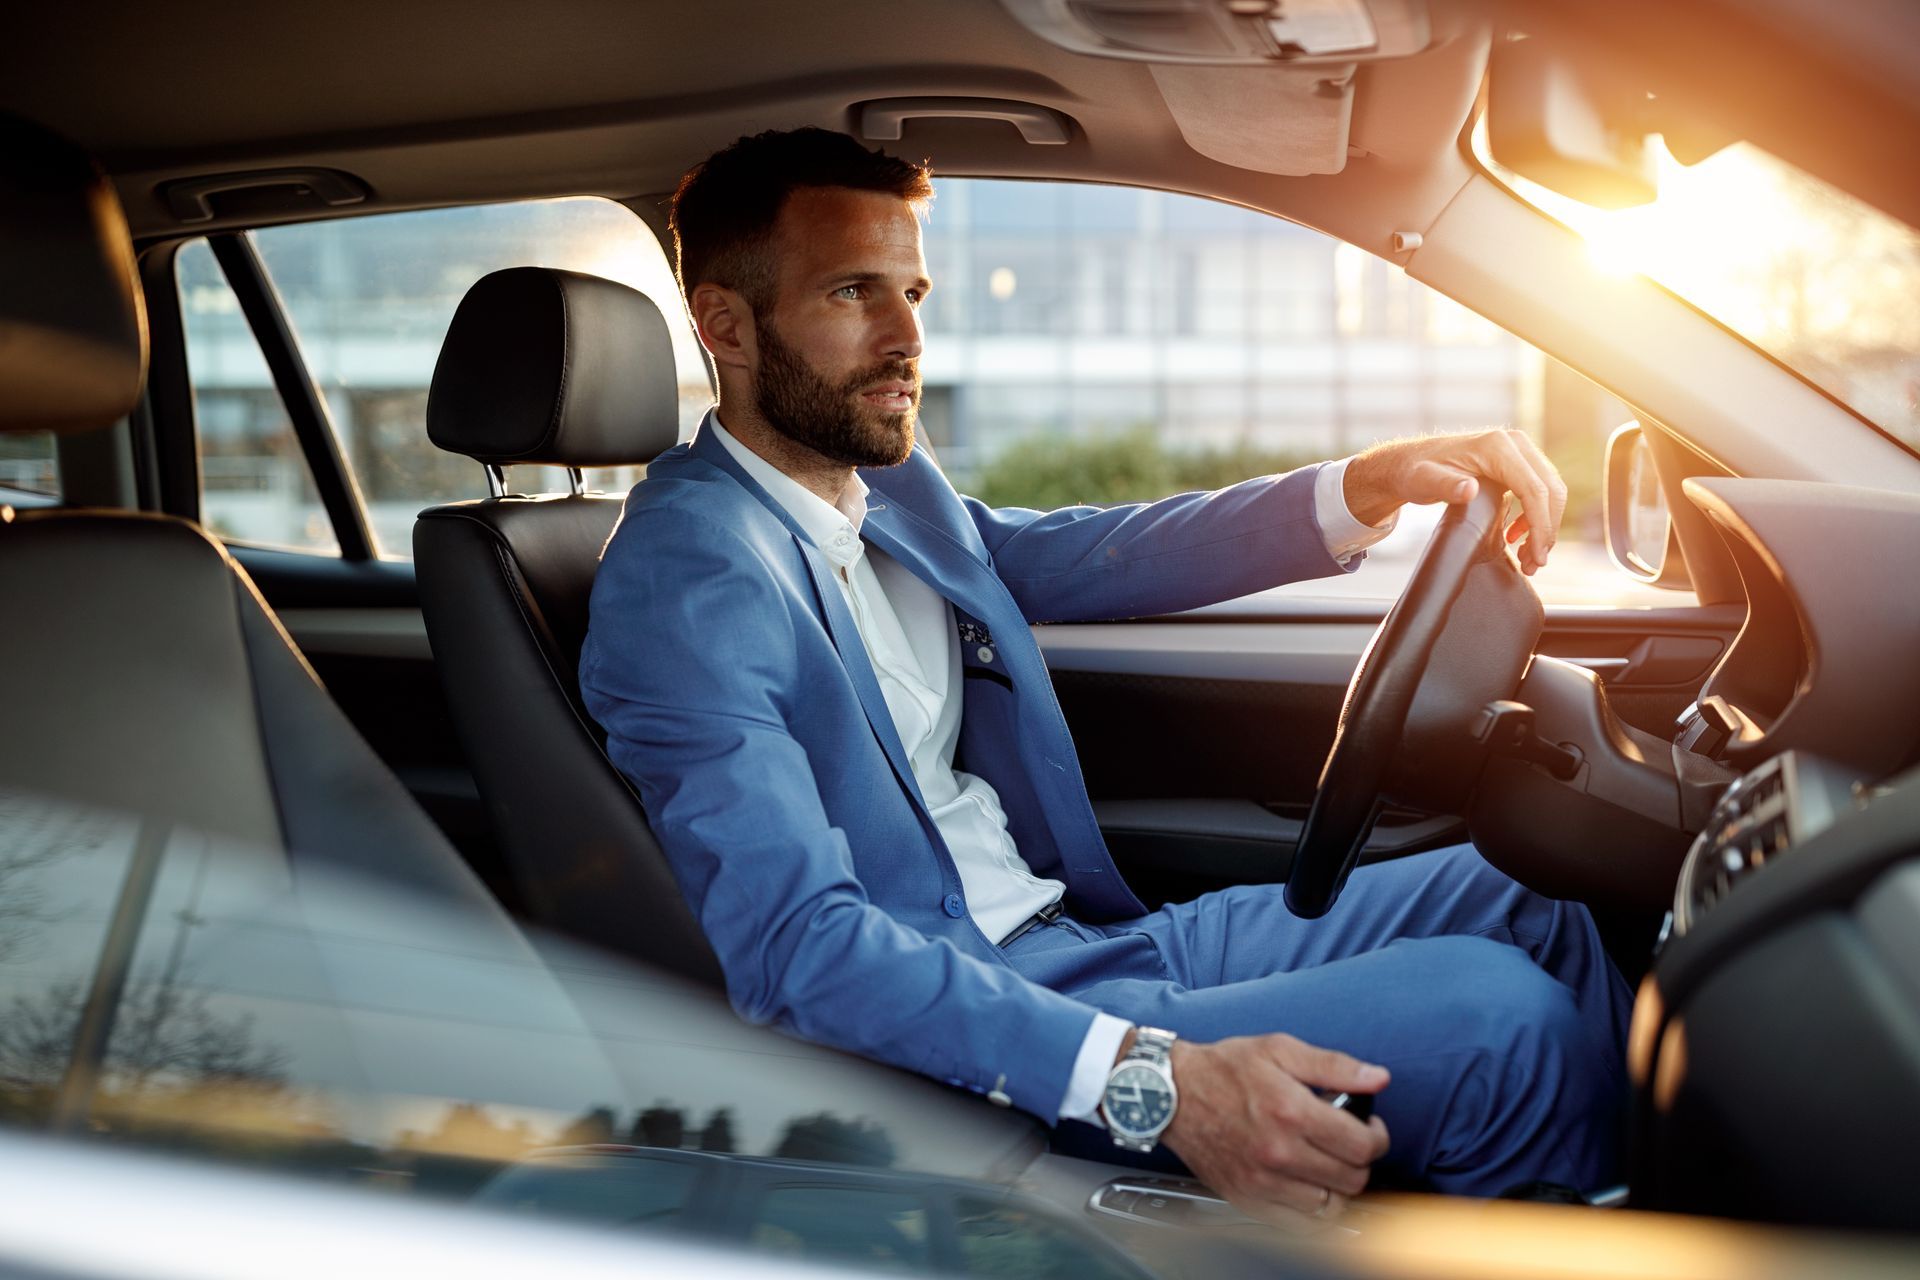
(1080, 564)
(689, 666)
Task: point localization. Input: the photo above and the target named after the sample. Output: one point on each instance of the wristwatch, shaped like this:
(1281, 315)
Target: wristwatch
(1140, 1098)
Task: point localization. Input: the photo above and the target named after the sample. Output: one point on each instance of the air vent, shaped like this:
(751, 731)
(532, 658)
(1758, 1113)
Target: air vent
(1762, 817)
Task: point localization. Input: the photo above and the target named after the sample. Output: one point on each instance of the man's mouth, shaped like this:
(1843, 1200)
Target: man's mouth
(892, 397)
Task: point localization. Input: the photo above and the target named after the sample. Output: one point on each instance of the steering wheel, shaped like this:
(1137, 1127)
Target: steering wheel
(1374, 718)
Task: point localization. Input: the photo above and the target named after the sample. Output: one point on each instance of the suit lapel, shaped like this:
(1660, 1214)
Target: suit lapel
(833, 607)
(937, 560)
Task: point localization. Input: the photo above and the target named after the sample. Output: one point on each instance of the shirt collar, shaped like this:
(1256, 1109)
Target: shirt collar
(819, 519)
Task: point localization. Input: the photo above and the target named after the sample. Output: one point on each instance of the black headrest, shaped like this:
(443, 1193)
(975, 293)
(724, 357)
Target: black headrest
(558, 368)
(73, 333)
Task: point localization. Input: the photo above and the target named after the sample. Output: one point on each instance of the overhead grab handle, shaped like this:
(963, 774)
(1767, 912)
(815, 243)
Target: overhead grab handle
(882, 120)
(191, 199)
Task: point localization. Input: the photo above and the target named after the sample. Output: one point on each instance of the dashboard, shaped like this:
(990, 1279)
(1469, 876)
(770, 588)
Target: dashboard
(1828, 661)
(1775, 1051)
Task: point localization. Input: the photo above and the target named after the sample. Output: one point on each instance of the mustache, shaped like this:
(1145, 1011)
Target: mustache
(888, 371)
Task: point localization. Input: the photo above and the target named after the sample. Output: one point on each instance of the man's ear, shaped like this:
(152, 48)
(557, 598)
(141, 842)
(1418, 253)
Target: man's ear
(725, 324)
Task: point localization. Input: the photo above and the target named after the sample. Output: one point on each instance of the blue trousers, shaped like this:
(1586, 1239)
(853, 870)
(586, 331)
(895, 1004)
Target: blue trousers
(1498, 1012)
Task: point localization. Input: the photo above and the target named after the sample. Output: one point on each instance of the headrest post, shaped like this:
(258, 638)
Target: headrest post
(576, 482)
(496, 480)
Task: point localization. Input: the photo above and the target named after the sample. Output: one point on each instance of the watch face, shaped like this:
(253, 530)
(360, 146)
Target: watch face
(1138, 1100)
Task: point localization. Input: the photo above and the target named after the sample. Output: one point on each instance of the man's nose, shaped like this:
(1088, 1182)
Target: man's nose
(902, 336)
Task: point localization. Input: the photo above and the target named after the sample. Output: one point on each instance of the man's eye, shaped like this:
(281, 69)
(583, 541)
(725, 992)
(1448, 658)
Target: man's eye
(851, 292)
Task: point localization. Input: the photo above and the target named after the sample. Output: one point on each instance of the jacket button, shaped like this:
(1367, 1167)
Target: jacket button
(985, 654)
(954, 905)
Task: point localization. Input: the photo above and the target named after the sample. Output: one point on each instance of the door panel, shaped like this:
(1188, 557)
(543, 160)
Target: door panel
(1202, 740)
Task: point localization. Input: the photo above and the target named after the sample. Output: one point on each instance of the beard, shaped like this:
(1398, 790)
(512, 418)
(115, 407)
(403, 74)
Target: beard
(828, 417)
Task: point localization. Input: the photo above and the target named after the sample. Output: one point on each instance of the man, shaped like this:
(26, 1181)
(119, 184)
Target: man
(811, 656)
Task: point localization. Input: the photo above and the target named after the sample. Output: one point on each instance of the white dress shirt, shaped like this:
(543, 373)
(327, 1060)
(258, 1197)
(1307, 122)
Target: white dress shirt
(911, 639)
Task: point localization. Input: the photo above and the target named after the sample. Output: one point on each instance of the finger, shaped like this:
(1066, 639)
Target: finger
(1309, 1162)
(1513, 470)
(1311, 1200)
(1434, 481)
(1556, 487)
(1382, 1140)
(1346, 1140)
(1327, 1068)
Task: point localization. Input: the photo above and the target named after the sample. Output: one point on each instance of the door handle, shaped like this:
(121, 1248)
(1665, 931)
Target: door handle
(883, 120)
(1608, 669)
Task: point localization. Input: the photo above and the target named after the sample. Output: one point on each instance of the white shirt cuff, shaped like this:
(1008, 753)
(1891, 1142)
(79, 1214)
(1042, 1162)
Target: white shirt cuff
(1091, 1067)
(1340, 529)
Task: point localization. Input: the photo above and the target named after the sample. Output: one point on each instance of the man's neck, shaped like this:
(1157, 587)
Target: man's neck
(820, 475)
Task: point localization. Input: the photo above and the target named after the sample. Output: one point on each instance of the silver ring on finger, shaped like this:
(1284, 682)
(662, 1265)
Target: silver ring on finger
(1326, 1199)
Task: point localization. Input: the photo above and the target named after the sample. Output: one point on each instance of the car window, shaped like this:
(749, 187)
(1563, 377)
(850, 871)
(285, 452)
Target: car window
(370, 300)
(1000, 1241)
(188, 989)
(1091, 344)
(869, 1225)
(255, 484)
(29, 467)
(206, 993)
(628, 1189)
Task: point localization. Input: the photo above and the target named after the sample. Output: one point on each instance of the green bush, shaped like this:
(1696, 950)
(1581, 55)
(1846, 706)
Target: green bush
(1046, 472)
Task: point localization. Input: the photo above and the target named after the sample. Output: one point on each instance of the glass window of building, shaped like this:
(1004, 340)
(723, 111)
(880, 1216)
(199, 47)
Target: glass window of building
(371, 298)
(1112, 344)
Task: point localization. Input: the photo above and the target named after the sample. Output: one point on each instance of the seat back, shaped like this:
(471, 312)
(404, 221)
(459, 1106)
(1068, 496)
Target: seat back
(145, 674)
(561, 369)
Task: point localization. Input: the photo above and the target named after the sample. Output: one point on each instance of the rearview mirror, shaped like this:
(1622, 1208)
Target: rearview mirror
(1569, 125)
(1640, 537)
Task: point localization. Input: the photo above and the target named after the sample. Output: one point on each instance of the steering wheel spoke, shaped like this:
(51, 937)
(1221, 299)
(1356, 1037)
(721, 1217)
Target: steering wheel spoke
(1387, 685)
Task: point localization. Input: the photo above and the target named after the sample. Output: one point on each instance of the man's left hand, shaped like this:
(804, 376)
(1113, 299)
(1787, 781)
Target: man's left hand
(1447, 468)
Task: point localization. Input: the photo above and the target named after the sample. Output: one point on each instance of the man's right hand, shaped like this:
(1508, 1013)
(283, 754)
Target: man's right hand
(1251, 1126)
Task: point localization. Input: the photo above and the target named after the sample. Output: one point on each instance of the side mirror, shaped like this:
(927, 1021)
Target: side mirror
(1640, 535)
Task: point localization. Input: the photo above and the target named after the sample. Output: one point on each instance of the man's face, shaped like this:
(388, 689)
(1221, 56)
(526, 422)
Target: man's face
(839, 347)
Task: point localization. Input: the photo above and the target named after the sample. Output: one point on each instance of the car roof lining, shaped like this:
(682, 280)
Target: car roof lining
(517, 106)
(500, 100)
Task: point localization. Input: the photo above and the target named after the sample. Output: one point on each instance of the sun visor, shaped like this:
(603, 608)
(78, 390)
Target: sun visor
(1287, 121)
(1230, 32)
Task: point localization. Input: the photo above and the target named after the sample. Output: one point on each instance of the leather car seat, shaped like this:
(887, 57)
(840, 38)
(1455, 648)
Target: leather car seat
(144, 674)
(560, 369)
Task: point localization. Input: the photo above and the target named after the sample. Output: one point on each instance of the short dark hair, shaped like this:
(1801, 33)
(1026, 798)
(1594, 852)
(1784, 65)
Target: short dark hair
(726, 206)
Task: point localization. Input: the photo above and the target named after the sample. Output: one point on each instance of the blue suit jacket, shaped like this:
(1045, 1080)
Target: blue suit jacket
(736, 694)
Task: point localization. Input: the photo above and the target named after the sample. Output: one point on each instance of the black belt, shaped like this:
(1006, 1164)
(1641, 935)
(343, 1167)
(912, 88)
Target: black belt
(1045, 915)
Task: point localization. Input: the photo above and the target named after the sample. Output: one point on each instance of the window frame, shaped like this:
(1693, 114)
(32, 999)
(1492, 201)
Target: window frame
(166, 425)
(306, 408)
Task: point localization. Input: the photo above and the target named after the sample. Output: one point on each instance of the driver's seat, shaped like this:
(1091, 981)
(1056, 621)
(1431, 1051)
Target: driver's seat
(552, 368)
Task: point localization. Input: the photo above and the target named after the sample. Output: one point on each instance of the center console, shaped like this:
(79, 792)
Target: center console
(1763, 816)
(1775, 1050)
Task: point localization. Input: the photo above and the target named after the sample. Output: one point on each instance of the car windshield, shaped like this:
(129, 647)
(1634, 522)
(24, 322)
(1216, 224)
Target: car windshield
(1815, 278)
